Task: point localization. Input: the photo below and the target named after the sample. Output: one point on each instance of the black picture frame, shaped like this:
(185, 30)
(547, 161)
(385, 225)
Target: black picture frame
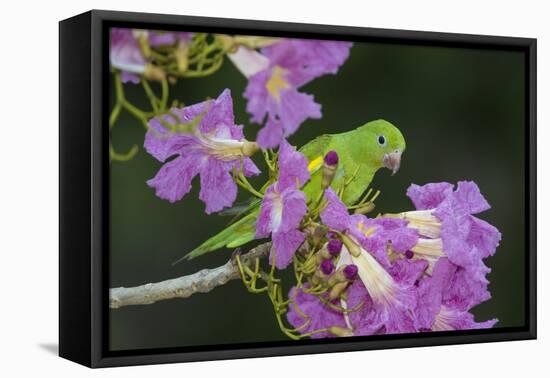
(84, 188)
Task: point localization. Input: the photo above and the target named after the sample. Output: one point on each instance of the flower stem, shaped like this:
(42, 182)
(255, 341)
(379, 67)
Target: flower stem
(114, 115)
(164, 96)
(151, 95)
(122, 157)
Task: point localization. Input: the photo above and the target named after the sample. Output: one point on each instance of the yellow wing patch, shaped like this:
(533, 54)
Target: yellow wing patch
(315, 164)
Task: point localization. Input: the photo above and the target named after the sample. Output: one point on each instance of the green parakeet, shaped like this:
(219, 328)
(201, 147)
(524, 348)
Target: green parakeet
(362, 152)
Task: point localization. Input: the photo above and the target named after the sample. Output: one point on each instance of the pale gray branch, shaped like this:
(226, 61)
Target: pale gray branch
(182, 287)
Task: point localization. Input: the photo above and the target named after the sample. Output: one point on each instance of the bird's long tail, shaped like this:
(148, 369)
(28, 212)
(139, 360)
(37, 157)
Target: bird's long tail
(235, 235)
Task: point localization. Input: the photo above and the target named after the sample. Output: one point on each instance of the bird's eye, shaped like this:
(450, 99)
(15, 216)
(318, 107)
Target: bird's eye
(382, 140)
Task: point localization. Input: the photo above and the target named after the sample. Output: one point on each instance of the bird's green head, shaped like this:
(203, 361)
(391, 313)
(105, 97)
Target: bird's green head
(384, 144)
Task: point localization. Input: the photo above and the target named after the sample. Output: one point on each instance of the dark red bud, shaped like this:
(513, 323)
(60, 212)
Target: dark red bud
(327, 267)
(331, 158)
(350, 271)
(334, 247)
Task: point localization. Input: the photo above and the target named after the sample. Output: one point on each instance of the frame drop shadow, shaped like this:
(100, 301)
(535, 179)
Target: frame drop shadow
(52, 348)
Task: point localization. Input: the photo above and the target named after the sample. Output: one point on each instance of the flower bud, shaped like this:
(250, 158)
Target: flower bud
(327, 267)
(331, 158)
(350, 272)
(330, 164)
(343, 274)
(409, 254)
(325, 253)
(142, 38)
(340, 331)
(334, 247)
(182, 58)
(337, 290)
(369, 206)
(255, 42)
(353, 248)
(227, 42)
(153, 72)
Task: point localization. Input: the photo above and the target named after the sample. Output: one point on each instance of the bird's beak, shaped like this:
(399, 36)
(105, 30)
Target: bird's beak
(392, 161)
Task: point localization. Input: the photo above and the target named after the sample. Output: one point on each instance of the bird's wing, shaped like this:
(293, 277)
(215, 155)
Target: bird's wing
(315, 150)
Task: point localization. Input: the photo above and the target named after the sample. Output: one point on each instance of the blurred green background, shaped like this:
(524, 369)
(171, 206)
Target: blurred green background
(462, 113)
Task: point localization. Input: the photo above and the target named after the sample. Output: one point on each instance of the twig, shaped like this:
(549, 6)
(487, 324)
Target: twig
(182, 287)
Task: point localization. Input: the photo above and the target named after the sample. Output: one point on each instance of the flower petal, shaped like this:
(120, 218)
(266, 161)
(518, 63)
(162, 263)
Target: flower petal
(307, 59)
(468, 287)
(220, 112)
(370, 234)
(125, 53)
(218, 190)
(307, 311)
(127, 77)
(248, 61)
(292, 167)
(264, 221)
(163, 143)
(274, 90)
(380, 318)
(157, 39)
(257, 96)
(407, 272)
(249, 168)
(393, 301)
(270, 135)
(429, 196)
(468, 194)
(214, 113)
(454, 232)
(378, 234)
(173, 180)
(335, 215)
(449, 319)
(365, 320)
(430, 293)
(294, 209)
(285, 245)
(293, 109)
(400, 315)
(484, 236)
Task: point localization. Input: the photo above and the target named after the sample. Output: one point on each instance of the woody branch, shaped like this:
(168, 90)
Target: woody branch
(202, 281)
